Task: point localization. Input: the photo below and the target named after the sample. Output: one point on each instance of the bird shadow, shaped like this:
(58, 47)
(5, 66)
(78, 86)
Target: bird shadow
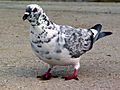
(58, 72)
(33, 71)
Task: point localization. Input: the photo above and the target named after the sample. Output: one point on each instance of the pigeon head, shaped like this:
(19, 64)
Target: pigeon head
(32, 13)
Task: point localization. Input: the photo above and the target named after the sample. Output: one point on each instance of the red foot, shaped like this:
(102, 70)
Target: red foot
(45, 76)
(74, 76)
(71, 77)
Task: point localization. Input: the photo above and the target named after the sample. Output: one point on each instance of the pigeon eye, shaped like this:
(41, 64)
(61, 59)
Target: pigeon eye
(35, 10)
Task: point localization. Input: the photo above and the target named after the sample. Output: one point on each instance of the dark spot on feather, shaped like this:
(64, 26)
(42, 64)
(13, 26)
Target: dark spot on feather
(51, 22)
(32, 32)
(42, 27)
(84, 51)
(44, 17)
(48, 23)
(48, 57)
(36, 51)
(57, 40)
(49, 27)
(73, 34)
(54, 35)
(38, 23)
(38, 36)
(35, 10)
(47, 52)
(58, 51)
(47, 41)
(86, 44)
(42, 32)
(75, 56)
(39, 46)
(32, 45)
(36, 42)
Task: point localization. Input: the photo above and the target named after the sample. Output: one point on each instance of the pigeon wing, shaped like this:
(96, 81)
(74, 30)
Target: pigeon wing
(77, 41)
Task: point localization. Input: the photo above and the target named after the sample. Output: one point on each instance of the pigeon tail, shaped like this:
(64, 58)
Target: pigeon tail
(103, 34)
(97, 34)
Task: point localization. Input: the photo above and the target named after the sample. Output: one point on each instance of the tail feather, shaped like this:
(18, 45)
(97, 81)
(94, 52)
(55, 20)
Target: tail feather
(97, 27)
(103, 34)
(97, 32)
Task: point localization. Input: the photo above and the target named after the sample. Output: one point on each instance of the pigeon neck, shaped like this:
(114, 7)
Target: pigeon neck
(43, 19)
(45, 23)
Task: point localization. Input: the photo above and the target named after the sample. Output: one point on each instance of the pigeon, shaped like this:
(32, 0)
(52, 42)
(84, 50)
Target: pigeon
(59, 44)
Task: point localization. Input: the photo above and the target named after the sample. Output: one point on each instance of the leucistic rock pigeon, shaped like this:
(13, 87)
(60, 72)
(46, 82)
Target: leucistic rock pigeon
(59, 44)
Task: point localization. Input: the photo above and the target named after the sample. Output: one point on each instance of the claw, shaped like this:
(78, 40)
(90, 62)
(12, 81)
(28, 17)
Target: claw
(74, 76)
(46, 76)
(71, 77)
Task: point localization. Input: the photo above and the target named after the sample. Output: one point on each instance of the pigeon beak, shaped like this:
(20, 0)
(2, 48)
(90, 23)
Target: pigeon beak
(25, 16)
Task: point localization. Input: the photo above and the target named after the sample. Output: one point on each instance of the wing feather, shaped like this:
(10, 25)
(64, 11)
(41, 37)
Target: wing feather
(77, 41)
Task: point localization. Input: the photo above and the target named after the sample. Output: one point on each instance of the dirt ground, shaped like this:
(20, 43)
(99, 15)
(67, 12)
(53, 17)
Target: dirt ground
(100, 67)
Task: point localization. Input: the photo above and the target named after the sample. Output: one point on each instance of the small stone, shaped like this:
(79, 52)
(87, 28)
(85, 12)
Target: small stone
(108, 55)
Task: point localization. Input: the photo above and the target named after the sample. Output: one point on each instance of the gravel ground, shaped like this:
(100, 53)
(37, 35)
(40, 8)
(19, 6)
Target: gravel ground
(100, 67)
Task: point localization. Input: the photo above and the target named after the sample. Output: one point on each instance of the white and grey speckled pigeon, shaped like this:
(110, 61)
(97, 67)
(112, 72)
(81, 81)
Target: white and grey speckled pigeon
(59, 44)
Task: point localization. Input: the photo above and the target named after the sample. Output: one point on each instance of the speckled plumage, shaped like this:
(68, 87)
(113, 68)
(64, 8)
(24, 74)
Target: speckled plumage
(65, 39)
(58, 44)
